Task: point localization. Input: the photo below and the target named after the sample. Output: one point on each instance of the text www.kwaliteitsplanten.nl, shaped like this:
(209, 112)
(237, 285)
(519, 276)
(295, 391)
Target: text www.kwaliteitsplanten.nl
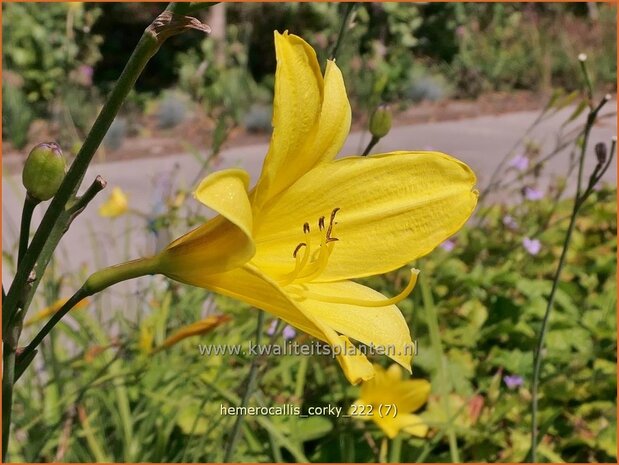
(310, 348)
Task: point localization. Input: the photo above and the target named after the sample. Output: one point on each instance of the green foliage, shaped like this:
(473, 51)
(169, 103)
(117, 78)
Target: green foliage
(16, 114)
(44, 45)
(505, 46)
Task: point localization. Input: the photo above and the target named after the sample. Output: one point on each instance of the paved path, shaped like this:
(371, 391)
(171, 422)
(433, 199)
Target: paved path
(93, 242)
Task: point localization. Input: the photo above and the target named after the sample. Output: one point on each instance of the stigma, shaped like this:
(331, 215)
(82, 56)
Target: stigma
(301, 293)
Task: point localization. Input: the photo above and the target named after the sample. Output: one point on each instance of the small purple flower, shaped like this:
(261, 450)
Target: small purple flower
(86, 72)
(272, 328)
(289, 332)
(510, 222)
(533, 246)
(513, 381)
(520, 162)
(533, 194)
(448, 245)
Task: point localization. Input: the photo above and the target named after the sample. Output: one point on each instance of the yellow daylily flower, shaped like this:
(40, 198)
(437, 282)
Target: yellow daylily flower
(117, 204)
(51, 309)
(194, 329)
(386, 390)
(294, 243)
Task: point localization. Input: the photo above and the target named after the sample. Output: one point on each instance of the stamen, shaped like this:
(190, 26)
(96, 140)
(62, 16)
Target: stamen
(331, 223)
(320, 264)
(318, 259)
(367, 303)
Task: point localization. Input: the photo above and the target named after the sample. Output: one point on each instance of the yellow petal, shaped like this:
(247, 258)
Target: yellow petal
(394, 372)
(414, 425)
(249, 285)
(355, 364)
(223, 243)
(383, 327)
(387, 387)
(332, 130)
(116, 204)
(334, 122)
(393, 208)
(296, 109)
(412, 394)
(411, 424)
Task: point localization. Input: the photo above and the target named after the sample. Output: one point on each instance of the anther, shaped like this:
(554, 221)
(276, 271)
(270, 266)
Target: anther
(306, 228)
(331, 223)
(321, 223)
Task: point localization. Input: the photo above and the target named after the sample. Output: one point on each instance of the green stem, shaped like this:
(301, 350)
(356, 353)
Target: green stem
(373, 141)
(349, 7)
(24, 232)
(251, 378)
(95, 283)
(8, 374)
(537, 354)
(396, 449)
(444, 384)
(384, 450)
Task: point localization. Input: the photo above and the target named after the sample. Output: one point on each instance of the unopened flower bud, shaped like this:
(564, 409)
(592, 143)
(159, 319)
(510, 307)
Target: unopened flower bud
(380, 122)
(44, 171)
(600, 152)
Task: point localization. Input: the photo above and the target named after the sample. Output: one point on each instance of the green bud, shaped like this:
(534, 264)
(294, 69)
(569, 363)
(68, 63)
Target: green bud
(380, 122)
(44, 171)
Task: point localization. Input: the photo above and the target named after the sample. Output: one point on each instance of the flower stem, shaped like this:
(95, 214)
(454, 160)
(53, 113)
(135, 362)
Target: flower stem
(349, 7)
(373, 141)
(384, 450)
(8, 375)
(395, 454)
(24, 232)
(578, 201)
(251, 378)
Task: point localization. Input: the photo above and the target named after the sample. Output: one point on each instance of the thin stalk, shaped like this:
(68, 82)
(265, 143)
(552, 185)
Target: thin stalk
(373, 141)
(349, 7)
(395, 455)
(537, 354)
(8, 374)
(437, 345)
(384, 450)
(251, 378)
(24, 232)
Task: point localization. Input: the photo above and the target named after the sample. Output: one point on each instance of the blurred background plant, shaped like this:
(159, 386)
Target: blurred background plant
(394, 52)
